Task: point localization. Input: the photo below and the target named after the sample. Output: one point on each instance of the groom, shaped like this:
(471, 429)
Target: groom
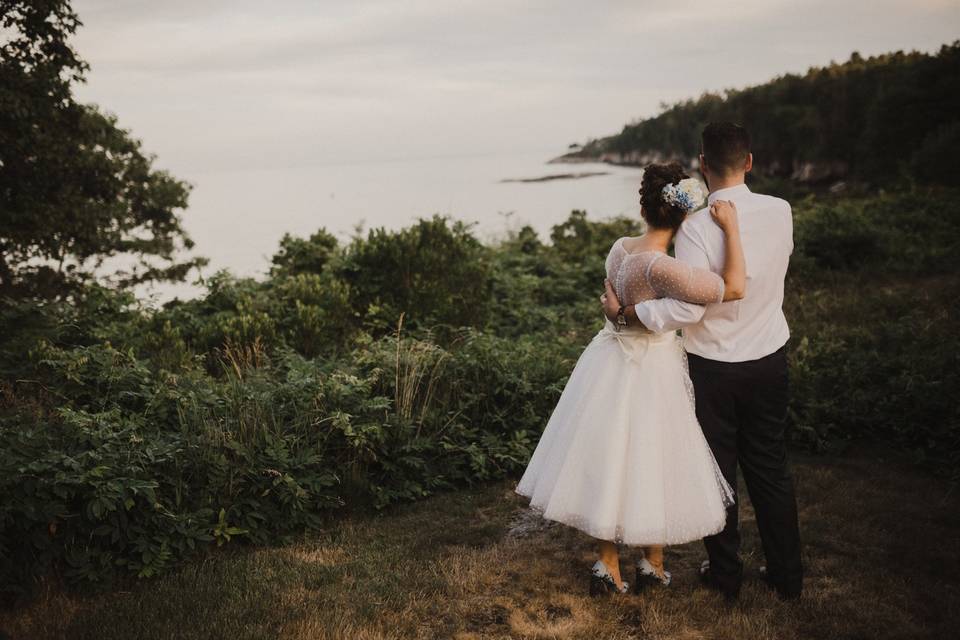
(738, 362)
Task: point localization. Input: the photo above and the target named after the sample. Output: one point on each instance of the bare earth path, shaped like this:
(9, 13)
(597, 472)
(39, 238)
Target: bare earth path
(881, 547)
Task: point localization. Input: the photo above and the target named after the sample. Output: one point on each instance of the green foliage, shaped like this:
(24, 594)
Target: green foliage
(907, 232)
(935, 160)
(873, 306)
(433, 272)
(579, 240)
(879, 363)
(298, 255)
(838, 237)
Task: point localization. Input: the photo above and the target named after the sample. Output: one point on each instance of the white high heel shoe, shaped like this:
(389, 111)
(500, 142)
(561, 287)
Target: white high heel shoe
(601, 581)
(647, 575)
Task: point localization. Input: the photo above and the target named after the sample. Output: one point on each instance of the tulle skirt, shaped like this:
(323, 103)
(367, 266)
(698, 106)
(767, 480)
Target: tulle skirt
(623, 457)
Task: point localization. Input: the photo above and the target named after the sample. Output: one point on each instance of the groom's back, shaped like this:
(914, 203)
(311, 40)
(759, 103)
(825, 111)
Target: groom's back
(754, 326)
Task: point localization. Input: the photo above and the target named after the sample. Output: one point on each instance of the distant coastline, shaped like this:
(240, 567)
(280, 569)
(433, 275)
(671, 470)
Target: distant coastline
(559, 176)
(825, 172)
(633, 159)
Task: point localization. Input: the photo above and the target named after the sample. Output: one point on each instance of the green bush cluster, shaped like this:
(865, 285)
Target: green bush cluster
(873, 301)
(364, 374)
(406, 362)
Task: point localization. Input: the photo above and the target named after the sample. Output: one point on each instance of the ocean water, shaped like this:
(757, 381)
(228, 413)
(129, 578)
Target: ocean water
(237, 218)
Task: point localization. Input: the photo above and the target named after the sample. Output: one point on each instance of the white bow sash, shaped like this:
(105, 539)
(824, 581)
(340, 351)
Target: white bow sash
(634, 342)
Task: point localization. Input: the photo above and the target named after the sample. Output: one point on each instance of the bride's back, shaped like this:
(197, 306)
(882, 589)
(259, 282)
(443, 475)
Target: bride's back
(646, 274)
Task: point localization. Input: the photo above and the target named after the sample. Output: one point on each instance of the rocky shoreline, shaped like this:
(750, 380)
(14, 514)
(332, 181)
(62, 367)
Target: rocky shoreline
(559, 176)
(826, 172)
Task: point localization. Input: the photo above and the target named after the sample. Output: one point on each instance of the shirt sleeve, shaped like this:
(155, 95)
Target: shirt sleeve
(670, 314)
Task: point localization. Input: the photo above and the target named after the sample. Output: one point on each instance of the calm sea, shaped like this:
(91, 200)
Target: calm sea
(237, 218)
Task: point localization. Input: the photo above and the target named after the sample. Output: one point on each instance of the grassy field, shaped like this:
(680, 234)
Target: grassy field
(880, 544)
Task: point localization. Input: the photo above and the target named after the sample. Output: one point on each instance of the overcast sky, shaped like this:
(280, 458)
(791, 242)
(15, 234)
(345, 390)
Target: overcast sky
(215, 86)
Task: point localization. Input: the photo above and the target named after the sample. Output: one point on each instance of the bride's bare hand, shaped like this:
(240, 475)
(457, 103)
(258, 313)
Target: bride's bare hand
(724, 213)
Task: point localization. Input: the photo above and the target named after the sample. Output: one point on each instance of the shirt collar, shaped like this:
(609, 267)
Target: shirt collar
(727, 193)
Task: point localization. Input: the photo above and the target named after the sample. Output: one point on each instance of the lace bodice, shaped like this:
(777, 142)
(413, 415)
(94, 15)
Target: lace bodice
(645, 275)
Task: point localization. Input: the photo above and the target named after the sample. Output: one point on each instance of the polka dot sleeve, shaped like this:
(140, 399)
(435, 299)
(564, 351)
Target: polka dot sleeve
(671, 278)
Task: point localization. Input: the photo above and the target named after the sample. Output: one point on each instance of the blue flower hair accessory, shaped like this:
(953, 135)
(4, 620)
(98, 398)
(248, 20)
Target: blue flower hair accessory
(685, 195)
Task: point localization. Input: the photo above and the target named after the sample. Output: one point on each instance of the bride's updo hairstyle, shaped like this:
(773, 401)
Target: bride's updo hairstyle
(655, 210)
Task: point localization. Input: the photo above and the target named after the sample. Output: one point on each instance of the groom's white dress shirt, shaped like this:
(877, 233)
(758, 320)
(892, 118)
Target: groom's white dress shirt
(738, 330)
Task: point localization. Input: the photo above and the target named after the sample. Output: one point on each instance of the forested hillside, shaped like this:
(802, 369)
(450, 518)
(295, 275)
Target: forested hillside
(870, 119)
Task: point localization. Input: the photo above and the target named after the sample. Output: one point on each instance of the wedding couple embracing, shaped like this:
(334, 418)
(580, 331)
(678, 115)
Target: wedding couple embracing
(643, 446)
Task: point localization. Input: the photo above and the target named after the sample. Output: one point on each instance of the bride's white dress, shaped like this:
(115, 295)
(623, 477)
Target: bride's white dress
(622, 457)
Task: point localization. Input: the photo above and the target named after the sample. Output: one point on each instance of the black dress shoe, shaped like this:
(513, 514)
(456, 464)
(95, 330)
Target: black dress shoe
(784, 594)
(708, 580)
(765, 577)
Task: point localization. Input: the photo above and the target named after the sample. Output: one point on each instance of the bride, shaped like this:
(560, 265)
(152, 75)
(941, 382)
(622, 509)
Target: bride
(622, 457)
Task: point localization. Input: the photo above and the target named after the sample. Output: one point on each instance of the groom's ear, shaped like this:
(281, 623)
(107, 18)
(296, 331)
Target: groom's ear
(748, 164)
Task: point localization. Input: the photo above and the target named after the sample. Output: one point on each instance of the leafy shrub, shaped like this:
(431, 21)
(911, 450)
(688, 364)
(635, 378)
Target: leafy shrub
(298, 255)
(872, 304)
(432, 272)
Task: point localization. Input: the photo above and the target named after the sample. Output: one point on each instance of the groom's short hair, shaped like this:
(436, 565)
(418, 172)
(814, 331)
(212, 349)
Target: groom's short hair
(725, 146)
